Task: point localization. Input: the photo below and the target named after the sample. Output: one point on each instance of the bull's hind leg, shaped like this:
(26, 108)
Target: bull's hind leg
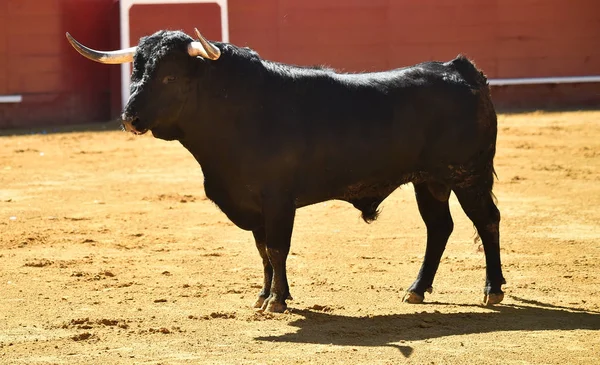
(432, 200)
(479, 206)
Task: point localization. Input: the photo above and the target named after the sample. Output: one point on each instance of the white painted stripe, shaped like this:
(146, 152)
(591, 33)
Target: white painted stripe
(125, 6)
(11, 98)
(544, 80)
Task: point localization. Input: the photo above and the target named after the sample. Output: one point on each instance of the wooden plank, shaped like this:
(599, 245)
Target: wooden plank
(33, 7)
(306, 36)
(548, 66)
(406, 56)
(349, 37)
(266, 52)
(3, 36)
(488, 65)
(34, 24)
(253, 10)
(3, 51)
(24, 83)
(431, 34)
(34, 74)
(33, 44)
(252, 20)
(257, 39)
(444, 50)
(437, 14)
(293, 5)
(343, 58)
(3, 74)
(560, 29)
(588, 65)
(35, 64)
(546, 47)
(303, 19)
(254, 24)
(544, 96)
(354, 66)
(147, 19)
(547, 11)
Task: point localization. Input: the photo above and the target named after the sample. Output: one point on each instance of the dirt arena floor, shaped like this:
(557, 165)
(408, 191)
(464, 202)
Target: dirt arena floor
(111, 254)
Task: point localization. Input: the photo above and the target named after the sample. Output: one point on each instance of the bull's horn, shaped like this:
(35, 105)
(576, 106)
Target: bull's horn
(107, 57)
(203, 48)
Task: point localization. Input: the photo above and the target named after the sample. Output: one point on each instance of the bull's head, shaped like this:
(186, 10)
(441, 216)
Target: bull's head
(162, 78)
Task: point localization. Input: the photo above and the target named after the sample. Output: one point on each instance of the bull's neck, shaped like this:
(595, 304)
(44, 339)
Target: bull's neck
(221, 109)
(210, 138)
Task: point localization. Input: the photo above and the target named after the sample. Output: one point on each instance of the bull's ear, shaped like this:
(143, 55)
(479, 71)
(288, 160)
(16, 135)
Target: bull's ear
(203, 48)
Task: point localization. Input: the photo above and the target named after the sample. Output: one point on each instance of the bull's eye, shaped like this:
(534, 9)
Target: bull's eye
(168, 79)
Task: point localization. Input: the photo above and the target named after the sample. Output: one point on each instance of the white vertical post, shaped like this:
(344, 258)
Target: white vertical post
(125, 6)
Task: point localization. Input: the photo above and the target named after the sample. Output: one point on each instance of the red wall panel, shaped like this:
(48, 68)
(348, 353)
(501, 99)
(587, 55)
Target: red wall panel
(57, 84)
(3, 50)
(45, 79)
(33, 7)
(147, 19)
(255, 24)
(357, 42)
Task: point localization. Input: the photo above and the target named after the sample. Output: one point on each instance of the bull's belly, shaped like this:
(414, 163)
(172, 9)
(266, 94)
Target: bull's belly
(358, 189)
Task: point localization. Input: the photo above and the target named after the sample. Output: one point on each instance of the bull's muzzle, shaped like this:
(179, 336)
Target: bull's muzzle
(132, 124)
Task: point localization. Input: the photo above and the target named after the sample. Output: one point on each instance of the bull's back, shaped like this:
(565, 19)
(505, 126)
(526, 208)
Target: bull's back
(339, 131)
(393, 119)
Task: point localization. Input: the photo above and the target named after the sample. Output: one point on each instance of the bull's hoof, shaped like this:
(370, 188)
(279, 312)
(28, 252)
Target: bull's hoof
(273, 307)
(259, 302)
(413, 298)
(491, 299)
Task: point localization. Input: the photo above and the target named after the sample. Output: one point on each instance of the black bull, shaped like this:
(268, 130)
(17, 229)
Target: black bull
(271, 138)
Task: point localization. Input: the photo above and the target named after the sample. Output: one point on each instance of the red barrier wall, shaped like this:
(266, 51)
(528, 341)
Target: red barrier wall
(37, 62)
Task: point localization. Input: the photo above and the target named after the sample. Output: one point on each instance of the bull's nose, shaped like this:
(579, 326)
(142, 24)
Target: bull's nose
(132, 124)
(128, 122)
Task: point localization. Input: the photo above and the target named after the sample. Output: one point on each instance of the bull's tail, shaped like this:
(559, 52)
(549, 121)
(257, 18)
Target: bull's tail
(470, 73)
(478, 82)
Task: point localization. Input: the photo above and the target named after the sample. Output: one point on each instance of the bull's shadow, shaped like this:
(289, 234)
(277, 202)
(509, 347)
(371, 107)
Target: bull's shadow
(384, 330)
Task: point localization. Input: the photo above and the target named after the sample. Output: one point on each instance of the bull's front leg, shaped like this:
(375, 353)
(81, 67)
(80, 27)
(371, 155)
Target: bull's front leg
(260, 238)
(279, 221)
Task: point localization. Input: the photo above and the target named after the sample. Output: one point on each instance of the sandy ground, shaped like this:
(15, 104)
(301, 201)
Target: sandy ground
(111, 254)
